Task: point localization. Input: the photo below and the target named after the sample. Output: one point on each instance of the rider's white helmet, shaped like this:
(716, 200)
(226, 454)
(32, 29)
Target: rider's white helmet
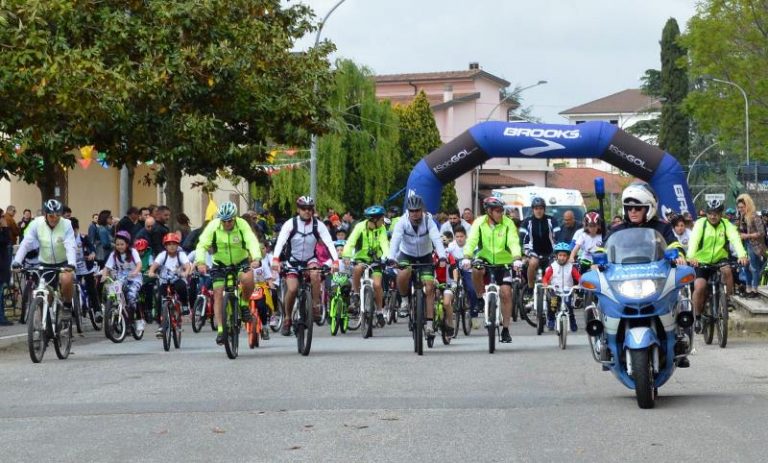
(640, 193)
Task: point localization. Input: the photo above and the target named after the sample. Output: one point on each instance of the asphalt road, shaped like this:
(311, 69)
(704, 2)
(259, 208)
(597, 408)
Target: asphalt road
(373, 400)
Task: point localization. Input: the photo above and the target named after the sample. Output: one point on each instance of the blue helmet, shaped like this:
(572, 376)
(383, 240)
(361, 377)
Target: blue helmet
(374, 211)
(338, 243)
(562, 247)
(227, 211)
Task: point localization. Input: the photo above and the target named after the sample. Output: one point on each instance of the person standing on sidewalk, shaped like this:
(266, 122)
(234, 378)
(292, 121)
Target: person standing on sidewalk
(5, 265)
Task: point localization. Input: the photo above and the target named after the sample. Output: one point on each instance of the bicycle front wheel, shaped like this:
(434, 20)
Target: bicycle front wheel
(231, 327)
(165, 318)
(62, 340)
(77, 310)
(36, 335)
(562, 336)
(709, 319)
(176, 326)
(418, 323)
(491, 301)
(335, 315)
(198, 314)
(367, 312)
(722, 320)
(114, 324)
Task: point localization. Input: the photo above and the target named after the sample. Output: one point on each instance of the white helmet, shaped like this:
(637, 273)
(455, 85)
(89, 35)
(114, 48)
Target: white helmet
(642, 194)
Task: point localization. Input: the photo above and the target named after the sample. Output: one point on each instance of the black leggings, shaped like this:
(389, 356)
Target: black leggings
(180, 287)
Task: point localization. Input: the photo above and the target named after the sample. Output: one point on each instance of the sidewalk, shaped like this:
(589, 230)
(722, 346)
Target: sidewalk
(10, 335)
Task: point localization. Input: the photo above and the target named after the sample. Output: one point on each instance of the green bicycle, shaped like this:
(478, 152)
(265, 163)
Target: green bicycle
(439, 322)
(339, 311)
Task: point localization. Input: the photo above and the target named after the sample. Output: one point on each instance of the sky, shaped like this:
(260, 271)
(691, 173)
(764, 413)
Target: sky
(585, 50)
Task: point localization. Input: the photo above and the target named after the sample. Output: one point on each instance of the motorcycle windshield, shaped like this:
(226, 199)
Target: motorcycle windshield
(635, 246)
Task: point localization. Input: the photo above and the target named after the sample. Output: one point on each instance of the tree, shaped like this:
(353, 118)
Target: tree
(674, 128)
(193, 86)
(358, 158)
(727, 40)
(419, 137)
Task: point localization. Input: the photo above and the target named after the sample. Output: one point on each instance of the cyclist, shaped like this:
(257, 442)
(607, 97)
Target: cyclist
(174, 267)
(494, 240)
(297, 246)
(233, 243)
(147, 290)
(125, 262)
(538, 231)
(54, 237)
(562, 273)
(368, 244)
(710, 239)
(414, 238)
(587, 242)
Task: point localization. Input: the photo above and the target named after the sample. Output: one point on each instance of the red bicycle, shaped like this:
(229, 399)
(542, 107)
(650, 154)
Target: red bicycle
(202, 310)
(170, 318)
(254, 328)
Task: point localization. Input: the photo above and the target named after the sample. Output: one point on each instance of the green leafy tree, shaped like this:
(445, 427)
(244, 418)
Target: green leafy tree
(419, 137)
(358, 158)
(727, 40)
(674, 128)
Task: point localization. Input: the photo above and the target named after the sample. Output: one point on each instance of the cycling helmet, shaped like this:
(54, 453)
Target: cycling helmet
(124, 235)
(171, 238)
(305, 201)
(492, 202)
(394, 210)
(640, 194)
(732, 211)
(227, 211)
(141, 244)
(538, 202)
(592, 218)
(562, 247)
(374, 211)
(338, 243)
(52, 206)
(414, 202)
(715, 205)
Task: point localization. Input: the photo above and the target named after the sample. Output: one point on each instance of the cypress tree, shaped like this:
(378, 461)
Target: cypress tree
(674, 130)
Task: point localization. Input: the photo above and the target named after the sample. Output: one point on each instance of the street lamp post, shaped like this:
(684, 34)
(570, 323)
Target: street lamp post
(479, 168)
(313, 141)
(746, 111)
(690, 168)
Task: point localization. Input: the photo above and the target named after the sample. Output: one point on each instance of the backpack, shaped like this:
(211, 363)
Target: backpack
(285, 255)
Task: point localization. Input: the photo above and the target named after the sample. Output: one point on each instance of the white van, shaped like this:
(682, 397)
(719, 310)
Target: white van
(558, 200)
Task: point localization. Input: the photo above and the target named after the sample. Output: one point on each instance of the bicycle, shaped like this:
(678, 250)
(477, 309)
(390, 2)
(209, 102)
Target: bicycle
(81, 305)
(416, 306)
(366, 301)
(301, 316)
(529, 312)
(492, 306)
(231, 301)
(12, 293)
(117, 319)
(202, 309)
(338, 313)
(278, 296)
(460, 309)
(391, 297)
(715, 313)
(562, 315)
(44, 323)
(170, 316)
(439, 322)
(255, 327)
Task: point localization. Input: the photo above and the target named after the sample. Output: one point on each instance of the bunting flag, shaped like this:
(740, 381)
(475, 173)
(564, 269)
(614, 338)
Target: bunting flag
(84, 163)
(271, 169)
(212, 209)
(87, 151)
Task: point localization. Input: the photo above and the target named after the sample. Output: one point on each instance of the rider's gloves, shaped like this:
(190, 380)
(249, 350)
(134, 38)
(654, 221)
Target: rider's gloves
(69, 267)
(466, 264)
(517, 265)
(16, 266)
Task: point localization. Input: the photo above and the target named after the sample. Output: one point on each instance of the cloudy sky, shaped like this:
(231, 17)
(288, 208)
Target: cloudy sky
(585, 50)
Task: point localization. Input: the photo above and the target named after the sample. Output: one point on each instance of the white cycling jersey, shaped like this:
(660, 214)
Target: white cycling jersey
(417, 241)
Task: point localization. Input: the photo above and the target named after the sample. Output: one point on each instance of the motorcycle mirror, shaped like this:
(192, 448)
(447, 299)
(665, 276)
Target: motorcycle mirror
(671, 254)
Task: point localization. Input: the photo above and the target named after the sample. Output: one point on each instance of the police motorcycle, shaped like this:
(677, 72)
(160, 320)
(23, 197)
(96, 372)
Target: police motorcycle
(639, 329)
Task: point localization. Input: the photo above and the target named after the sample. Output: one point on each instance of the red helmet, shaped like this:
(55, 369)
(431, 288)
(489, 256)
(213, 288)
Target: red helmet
(492, 202)
(141, 244)
(592, 218)
(171, 238)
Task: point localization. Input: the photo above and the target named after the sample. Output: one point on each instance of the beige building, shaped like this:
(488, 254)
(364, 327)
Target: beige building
(460, 100)
(96, 188)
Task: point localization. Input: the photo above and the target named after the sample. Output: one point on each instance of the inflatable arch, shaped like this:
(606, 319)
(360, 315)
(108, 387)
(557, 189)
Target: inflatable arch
(519, 140)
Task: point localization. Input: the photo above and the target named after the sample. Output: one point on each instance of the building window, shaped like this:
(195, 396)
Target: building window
(581, 162)
(614, 121)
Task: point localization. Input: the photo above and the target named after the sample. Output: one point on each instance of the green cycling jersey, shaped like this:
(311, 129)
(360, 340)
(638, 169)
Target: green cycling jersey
(709, 243)
(232, 247)
(497, 245)
(363, 242)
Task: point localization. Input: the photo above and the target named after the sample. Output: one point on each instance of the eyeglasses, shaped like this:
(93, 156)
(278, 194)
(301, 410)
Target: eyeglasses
(635, 208)
(305, 208)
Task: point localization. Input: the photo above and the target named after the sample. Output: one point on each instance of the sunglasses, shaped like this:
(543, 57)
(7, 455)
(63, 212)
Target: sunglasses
(635, 208)
(413, 211)
(228, 221)
(305, 208)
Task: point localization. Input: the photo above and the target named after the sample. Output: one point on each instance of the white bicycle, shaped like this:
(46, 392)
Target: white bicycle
(43, 320)
(562, 315)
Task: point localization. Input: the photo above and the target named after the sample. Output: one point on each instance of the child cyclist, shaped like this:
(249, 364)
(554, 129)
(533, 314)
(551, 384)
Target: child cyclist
(263, 280)
(174, 267)
(588, 242)
(561, 274)
(446, 283)
(125, 263)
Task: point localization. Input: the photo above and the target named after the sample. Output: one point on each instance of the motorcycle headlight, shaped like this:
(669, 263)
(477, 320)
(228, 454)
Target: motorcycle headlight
(637, 289)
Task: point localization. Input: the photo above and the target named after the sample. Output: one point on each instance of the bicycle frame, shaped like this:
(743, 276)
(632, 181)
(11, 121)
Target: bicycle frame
(43, 289)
